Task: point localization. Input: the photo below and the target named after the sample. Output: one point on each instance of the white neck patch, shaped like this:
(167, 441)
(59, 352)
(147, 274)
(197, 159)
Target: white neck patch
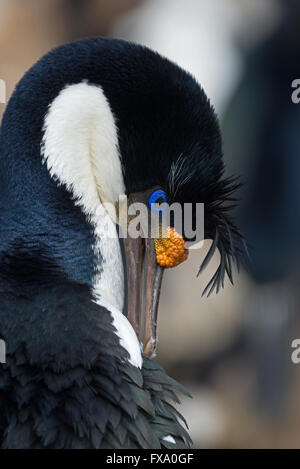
(80, 148)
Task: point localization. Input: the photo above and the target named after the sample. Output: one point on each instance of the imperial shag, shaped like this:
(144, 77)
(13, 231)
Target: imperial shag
(89, 122)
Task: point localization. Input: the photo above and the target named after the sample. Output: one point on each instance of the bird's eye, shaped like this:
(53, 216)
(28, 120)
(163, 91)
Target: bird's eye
(158, 201)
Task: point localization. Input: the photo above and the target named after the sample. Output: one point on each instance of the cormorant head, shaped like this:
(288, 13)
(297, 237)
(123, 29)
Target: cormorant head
(93, 121)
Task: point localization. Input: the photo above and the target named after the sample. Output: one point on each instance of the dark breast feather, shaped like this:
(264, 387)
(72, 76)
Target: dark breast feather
(67, 382)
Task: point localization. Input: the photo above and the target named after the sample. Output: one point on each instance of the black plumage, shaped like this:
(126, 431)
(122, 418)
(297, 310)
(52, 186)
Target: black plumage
(66, 384)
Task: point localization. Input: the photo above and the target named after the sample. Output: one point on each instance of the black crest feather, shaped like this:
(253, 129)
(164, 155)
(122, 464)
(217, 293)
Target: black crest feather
(226, 236)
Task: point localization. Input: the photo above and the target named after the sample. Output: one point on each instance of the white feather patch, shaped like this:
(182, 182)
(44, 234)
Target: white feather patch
(80, 148)
(80, 145)
(126, 334)
(169, 439)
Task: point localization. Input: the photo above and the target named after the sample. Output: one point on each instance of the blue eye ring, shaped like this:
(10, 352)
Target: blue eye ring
(158, 194)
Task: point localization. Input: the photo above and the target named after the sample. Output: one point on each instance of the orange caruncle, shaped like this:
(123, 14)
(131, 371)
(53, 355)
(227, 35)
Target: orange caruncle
(170, 250)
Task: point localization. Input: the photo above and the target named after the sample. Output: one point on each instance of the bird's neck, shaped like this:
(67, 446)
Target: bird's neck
(108, 283)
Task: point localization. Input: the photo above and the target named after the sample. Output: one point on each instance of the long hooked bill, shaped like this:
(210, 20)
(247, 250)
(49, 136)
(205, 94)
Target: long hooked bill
(144, 277)
(146, 258)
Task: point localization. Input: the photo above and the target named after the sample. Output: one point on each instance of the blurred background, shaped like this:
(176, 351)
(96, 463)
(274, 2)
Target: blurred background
(232, 351)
